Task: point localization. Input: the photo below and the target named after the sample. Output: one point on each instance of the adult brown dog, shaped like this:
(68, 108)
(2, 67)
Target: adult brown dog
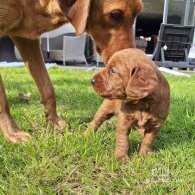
(141, 98)
(108, 22)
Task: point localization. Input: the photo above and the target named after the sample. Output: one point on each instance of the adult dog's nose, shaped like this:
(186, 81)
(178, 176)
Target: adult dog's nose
(93, 81)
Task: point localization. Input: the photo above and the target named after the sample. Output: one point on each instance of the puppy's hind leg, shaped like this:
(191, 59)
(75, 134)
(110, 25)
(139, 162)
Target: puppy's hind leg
(107, 109)
(10, 131)
(147, 141)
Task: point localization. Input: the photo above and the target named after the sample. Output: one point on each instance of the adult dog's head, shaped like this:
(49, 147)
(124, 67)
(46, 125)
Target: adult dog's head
(129, 75)
(108, 22)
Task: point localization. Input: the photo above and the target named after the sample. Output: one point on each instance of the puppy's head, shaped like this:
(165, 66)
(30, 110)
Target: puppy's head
(129, 75)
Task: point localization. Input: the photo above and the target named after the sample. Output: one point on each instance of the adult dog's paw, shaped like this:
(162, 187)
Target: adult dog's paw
(145, 151)
(17, 137)
(122, 156)
(58, 123)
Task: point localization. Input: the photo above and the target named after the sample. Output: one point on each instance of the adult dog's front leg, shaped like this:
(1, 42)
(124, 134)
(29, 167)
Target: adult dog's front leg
(32, 56)
(10, 131)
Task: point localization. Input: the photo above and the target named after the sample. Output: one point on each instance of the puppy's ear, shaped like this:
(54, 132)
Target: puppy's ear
(143, 81)
(77, 12)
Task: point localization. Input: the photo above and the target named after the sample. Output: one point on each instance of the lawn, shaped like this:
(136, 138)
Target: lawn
(66, 162)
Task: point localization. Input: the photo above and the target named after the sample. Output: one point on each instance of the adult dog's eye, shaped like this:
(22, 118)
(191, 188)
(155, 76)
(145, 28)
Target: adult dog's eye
(71, 2)
(112, 71)
(117, 15)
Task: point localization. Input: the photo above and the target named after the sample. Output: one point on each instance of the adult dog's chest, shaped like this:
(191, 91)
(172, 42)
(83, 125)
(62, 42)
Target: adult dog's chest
(38, 24)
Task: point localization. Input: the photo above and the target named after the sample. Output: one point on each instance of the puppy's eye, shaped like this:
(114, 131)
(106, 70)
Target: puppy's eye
(133, 71)
(117, 15)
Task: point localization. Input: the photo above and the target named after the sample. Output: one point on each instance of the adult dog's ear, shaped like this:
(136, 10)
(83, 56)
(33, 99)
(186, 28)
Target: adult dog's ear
(138, 6)
(142, 82)
(77, 12)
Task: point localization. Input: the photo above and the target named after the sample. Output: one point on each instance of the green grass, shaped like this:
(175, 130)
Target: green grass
(66, 162)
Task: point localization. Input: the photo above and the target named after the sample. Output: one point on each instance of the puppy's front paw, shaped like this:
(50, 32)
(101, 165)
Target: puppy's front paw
(90, 128)
(121, 156)
(87, 131)
(143, 151)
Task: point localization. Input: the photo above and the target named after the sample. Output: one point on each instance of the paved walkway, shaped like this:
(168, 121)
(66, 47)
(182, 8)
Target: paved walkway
(81, 67)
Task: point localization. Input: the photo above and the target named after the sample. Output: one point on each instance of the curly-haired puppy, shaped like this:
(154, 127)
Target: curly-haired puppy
(137, 91)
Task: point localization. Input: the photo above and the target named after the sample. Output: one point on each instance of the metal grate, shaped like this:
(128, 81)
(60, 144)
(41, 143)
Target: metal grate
(175, 44)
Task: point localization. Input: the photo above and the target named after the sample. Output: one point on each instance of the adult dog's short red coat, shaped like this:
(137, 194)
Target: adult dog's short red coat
(108, 22)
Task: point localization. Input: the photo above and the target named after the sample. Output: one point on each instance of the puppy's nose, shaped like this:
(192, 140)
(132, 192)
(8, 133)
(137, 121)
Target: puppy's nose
(93, 81)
